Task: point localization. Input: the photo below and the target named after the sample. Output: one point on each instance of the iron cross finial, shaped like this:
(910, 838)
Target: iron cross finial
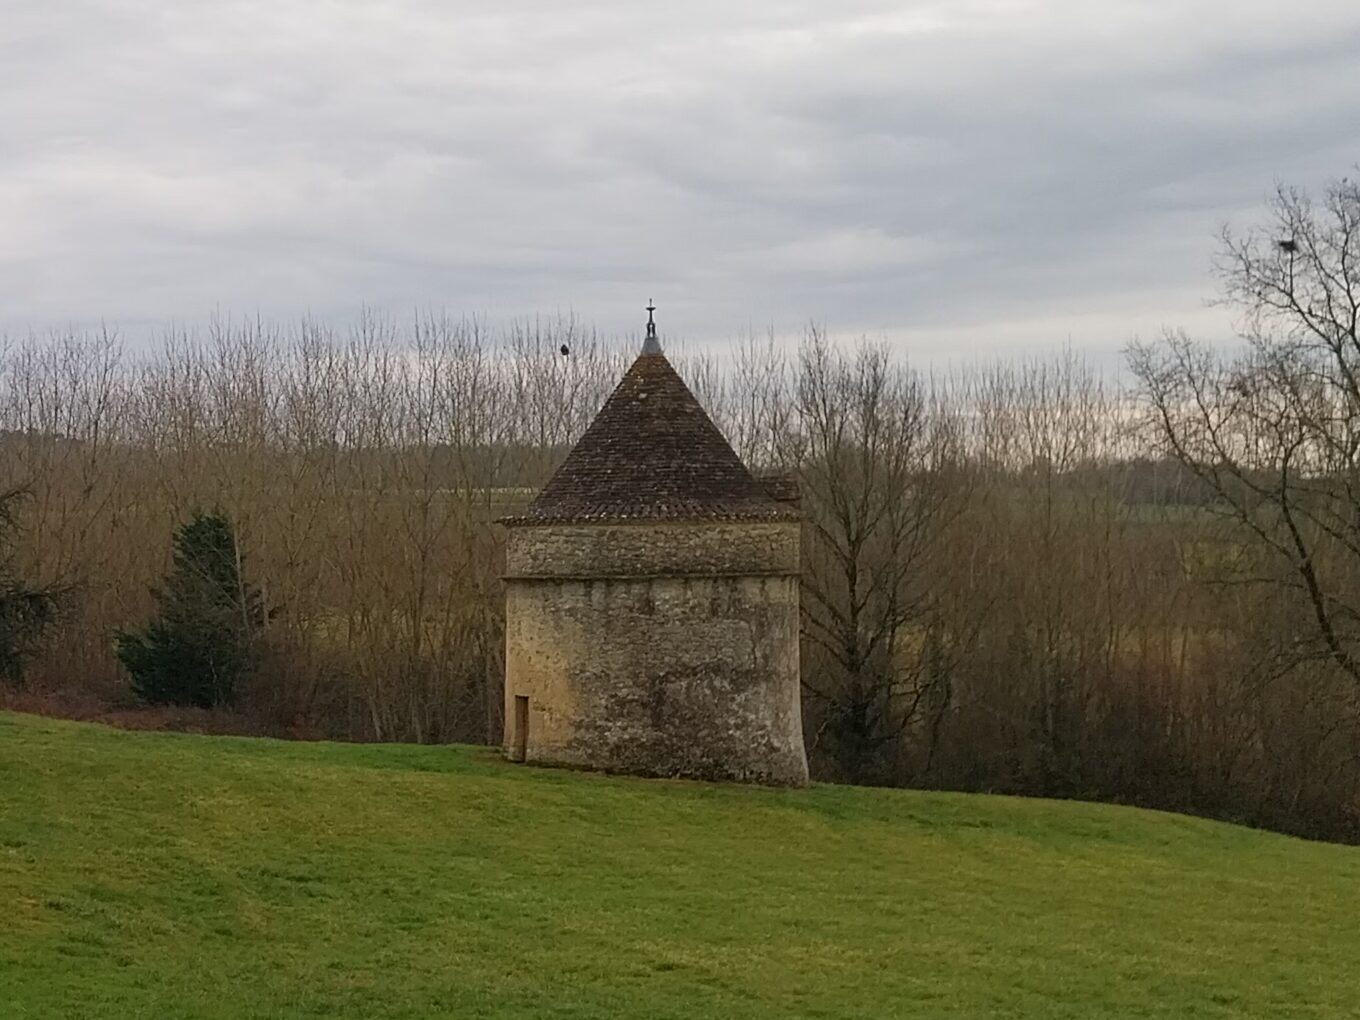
(651, 345)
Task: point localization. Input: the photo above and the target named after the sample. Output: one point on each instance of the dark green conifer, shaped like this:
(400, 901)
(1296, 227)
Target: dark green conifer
(203, 640)
(27, 610)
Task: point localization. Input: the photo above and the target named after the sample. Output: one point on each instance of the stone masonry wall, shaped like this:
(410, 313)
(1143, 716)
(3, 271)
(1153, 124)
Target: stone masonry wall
(660, 550)
(685, 663)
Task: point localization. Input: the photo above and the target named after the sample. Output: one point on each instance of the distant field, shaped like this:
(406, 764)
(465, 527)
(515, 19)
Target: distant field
(175, 876)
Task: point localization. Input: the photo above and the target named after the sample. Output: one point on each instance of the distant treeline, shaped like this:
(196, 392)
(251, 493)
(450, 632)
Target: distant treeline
(1009, 584)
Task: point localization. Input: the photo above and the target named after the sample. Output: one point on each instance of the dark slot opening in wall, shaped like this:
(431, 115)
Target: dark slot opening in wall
(521, 726)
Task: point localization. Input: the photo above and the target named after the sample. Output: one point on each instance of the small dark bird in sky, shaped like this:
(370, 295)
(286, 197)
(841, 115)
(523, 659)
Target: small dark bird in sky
(565, 350)
(1288, 245)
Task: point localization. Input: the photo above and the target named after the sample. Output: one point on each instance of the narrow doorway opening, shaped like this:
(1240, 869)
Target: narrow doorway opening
(521, 744)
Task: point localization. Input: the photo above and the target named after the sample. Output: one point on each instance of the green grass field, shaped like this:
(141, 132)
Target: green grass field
(175, 876)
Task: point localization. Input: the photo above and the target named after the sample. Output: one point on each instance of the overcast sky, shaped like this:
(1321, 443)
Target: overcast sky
(965, 178)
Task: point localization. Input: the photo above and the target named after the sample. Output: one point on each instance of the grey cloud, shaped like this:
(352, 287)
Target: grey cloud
(991, 173)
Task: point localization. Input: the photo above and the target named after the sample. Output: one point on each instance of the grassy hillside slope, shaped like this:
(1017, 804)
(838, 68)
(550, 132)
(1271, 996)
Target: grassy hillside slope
(162, 875)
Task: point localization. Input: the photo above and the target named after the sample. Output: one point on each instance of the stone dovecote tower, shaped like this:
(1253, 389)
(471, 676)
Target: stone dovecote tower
(652, 600)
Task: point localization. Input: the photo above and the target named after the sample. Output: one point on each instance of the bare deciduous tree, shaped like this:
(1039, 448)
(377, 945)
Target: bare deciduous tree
(874, 457)
(1275, 430)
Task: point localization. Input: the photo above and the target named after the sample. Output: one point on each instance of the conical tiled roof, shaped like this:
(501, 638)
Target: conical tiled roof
(652, 454)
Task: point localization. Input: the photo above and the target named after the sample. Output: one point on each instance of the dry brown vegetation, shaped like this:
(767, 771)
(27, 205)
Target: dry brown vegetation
(1018, 579)
(998, 596)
